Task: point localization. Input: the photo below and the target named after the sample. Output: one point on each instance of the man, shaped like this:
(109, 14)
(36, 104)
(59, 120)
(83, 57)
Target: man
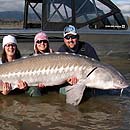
(73, 45)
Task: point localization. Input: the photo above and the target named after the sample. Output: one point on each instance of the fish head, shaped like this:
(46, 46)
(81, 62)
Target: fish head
(119, 81)
(106, 77)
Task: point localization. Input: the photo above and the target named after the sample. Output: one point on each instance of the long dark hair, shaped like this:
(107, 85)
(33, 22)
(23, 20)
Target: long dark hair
(4, 55)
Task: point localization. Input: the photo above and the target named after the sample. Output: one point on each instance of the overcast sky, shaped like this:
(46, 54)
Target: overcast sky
(124, 5)
(10, 5)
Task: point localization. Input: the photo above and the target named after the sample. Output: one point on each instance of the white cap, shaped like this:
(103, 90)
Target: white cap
(70, 30)
(9, 39)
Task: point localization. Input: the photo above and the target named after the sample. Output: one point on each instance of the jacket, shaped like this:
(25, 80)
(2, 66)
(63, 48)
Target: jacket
(82, 48)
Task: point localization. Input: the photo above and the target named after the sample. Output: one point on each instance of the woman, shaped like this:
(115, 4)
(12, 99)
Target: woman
(9, 54)
(41, 46)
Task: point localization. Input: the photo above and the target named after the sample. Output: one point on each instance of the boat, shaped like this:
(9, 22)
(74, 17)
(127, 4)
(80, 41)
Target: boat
(93, 18)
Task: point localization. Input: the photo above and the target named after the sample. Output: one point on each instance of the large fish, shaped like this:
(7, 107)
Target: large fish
(55, 69)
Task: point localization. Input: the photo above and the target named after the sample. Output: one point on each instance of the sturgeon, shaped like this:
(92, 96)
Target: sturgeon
(55, 69)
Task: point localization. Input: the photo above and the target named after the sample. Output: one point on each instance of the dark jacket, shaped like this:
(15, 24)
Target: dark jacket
(82, 48)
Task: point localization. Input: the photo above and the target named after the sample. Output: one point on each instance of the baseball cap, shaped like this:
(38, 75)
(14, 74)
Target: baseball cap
(70, 30)
(9, 39)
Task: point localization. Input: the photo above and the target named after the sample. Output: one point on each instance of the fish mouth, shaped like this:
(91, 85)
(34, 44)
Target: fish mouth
(122, 86)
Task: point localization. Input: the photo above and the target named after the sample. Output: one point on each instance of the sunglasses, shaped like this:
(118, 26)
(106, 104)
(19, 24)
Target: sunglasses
(8, 45)
(41, 41)
(70, 36)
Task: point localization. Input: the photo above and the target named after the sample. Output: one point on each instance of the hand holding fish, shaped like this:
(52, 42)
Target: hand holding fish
(6, 87)
(41, 85)
(22, 85)
(72, 80)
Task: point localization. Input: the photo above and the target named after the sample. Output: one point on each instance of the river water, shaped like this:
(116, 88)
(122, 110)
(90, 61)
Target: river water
(50, 112)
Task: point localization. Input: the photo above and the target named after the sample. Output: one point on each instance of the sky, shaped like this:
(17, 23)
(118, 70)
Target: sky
(124, 5)
(12, 5)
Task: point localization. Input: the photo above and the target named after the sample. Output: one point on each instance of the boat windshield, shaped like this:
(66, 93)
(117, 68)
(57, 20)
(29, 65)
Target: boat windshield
(54, 15)
(93, 14)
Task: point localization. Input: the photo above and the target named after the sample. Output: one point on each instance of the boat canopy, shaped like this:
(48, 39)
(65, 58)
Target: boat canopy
(55, 14)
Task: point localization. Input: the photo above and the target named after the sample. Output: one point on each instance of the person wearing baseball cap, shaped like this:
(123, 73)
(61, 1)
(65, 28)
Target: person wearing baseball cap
(73, 45)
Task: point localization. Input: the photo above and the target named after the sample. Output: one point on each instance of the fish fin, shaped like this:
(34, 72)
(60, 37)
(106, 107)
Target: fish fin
(74, 93)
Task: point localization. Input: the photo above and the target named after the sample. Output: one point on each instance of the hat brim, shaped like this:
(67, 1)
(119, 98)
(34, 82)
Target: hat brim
(70, 33)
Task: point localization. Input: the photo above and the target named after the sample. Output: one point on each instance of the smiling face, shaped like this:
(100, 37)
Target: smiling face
(10, 49)
(70, 40)
(41, 45)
